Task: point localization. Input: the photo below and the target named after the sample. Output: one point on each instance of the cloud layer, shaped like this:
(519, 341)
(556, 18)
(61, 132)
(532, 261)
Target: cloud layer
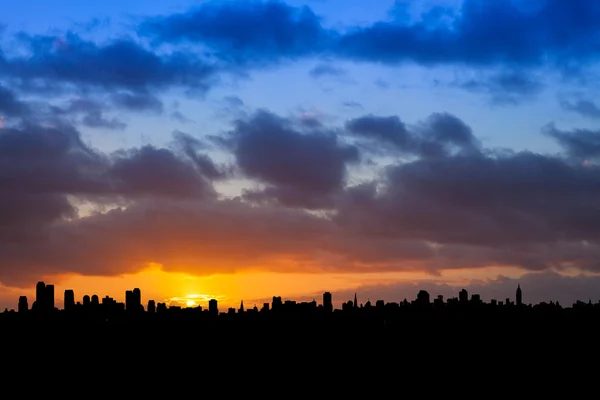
(434, 197)
(445, 202)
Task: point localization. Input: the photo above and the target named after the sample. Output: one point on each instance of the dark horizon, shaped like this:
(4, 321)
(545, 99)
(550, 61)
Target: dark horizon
(45, 302)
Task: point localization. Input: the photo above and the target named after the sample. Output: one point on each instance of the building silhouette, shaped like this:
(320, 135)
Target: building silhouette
(40, 296)
(212, 307)
(23, 305)
(327, 302)
(69, 299)
(418, 313)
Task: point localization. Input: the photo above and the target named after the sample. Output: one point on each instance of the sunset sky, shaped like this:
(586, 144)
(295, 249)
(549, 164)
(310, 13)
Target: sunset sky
(239, 150)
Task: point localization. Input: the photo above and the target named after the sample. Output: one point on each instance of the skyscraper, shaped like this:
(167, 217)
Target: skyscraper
(519, 295)
(129, 301)
(23, 306)
(137, 300)
(463, 296)
(212, 307)
(49, 298)
(69, 299)
(40, 296)
(327, 302)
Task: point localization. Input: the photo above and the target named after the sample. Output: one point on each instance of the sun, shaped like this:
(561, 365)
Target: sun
(190, 303)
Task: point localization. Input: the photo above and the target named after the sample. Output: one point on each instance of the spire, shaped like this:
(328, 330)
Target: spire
(242, 306)
(355, 301)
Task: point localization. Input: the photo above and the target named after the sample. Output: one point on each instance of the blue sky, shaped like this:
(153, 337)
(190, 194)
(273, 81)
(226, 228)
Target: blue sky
(410, 91)
(428, 136)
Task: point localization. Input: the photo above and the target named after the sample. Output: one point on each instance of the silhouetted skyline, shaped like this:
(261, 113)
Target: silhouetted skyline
(236, 149)
(106, 309)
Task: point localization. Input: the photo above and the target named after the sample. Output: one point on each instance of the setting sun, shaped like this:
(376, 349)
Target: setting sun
(190, 303)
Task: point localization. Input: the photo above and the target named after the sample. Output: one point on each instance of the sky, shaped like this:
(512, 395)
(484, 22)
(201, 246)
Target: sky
(240, 150)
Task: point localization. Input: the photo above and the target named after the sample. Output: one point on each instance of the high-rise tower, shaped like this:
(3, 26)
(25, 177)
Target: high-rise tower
(519, 295)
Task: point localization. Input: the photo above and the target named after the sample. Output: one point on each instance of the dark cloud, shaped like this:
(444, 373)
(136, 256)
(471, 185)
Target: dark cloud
(95, 119)
(118, 64)
(45, 167)
(152, 171)
(506, 87)
(192, 149)
(87, 112)
(438, 210)
(254, 31)
(138, 102)
(584, 107)
(437, 136)
(302, 168)
(483, 32)
(322, 70)
(582, 144)
(563, 33)
(234, 37)
(10, 105)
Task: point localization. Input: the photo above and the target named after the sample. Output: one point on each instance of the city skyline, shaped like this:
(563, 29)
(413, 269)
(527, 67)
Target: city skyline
(232, 149)
(45, 301)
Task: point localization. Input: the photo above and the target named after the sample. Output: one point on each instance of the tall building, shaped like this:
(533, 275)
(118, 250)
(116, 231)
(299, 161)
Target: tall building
(23, 305)
(151, 306)
(49, 297)
(242, 306)
(137, 299)
(69, 299)
(212, 307)
(327, 302)
(40, 296)
(129, 301)
(86, 300)
(423, 297)
(519, 295)
(95, 300)
(463, 296)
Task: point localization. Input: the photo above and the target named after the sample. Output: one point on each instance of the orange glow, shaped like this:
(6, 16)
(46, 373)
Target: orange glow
(229, 289)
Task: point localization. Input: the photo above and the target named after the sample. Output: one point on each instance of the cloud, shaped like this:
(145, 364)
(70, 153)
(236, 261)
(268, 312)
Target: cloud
(506, 87)
(437, 136)
(242, 33)
(10, 105)
(449, 204)
(581, 144)
(298, 167)
(322, 70)
(138, 102)
(584, 107)
(192, 50)
(46, 167)
(518, 36)
(71, 62)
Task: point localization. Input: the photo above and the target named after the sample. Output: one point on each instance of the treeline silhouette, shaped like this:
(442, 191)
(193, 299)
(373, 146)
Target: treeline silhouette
(462, 311)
